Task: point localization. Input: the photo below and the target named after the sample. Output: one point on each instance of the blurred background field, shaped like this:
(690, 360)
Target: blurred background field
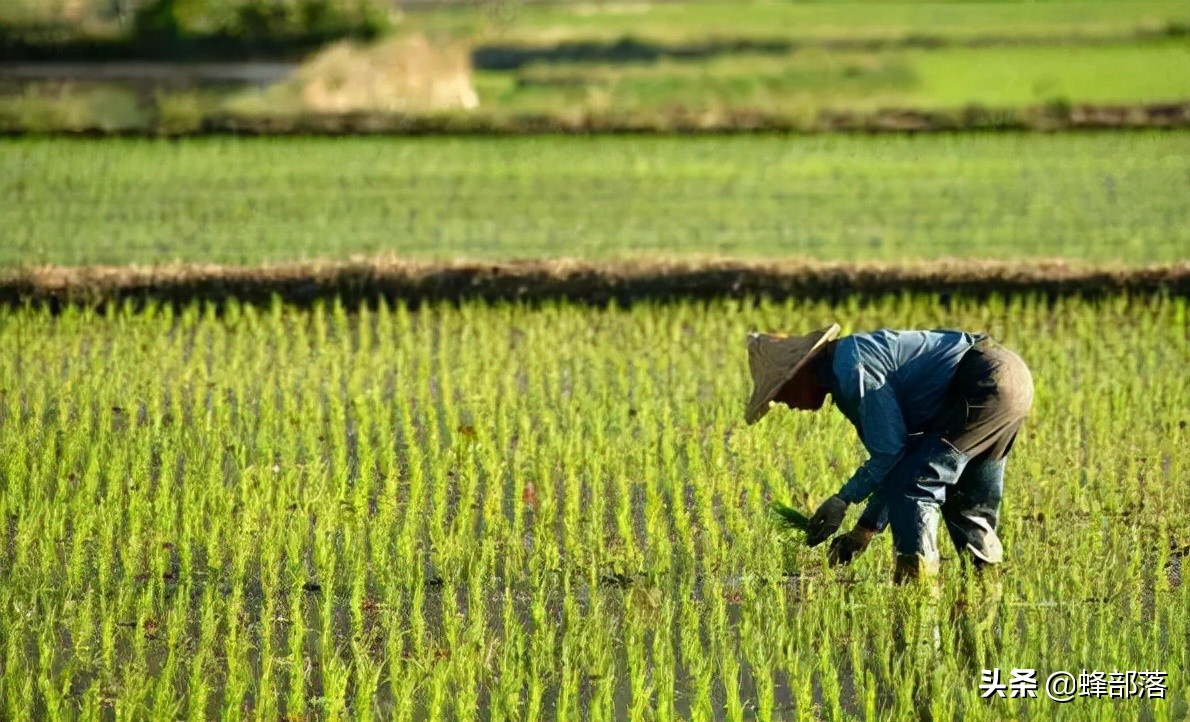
(1101, 197)
(171, 64)
(923, 23)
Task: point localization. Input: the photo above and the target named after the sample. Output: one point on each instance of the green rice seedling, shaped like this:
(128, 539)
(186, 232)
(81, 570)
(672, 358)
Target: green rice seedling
(789, 516)
(366, 675)
(336, 675)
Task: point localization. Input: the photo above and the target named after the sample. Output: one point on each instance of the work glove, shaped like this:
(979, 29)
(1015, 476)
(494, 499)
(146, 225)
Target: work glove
(846, 547)
(826, 520)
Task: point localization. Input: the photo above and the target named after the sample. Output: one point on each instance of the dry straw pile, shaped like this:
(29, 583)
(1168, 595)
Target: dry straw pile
(404, 74)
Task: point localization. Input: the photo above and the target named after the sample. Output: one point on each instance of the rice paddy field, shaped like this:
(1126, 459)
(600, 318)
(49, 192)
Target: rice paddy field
(1099, 197)
(555, 512)
(676, 22)
(653, 64)
(800, 85)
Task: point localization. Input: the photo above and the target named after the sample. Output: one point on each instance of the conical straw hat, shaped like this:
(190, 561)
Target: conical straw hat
(774, 360)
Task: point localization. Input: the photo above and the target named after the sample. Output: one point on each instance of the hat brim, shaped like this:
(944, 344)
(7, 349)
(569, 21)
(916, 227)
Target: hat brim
(762, 397)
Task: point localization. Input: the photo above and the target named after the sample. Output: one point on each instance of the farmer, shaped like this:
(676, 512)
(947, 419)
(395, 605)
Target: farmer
(937, 411)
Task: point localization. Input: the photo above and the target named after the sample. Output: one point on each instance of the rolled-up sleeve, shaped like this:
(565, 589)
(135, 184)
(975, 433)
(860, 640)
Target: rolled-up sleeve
(882, 429)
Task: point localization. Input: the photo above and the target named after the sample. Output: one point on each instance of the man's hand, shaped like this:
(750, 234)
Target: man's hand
(826, 520)
(846, 547)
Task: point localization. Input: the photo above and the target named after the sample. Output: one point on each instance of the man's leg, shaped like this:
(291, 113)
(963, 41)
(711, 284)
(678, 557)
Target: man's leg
(972, 511)
(987, 402)
(918, 489)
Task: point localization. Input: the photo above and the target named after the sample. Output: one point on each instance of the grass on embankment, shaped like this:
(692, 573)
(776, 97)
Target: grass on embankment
(1105, 197)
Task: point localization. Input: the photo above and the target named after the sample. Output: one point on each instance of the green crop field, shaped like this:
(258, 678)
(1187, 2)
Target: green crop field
(1097, 197)
(654, 63)
(678, 22)
(554, 512)
(803, 84)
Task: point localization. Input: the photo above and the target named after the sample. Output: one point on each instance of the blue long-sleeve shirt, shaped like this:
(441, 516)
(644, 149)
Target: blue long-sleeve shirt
(891, 384)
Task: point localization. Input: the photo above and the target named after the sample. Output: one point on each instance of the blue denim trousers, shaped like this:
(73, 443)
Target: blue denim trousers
(936, 480)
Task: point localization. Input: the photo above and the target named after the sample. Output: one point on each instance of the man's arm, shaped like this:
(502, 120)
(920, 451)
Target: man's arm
(863, 394)
(882, 427)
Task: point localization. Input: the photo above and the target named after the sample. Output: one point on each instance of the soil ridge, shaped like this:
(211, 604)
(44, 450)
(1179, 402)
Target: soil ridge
(624, 282)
